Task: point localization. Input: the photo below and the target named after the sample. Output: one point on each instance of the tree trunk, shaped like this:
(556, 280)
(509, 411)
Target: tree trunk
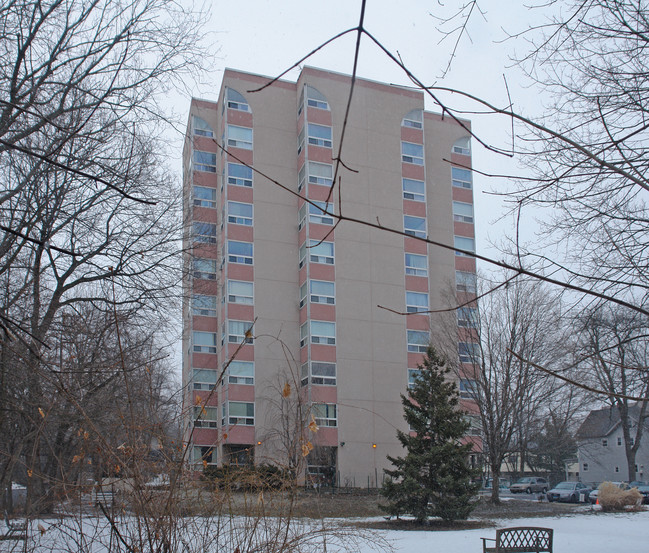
(495, 488)
(630, 462)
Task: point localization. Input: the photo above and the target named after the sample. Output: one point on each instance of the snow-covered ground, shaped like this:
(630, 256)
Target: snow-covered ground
(587, 533)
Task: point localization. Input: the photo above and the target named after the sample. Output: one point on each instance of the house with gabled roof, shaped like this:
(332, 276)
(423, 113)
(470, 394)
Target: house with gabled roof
(600, 446)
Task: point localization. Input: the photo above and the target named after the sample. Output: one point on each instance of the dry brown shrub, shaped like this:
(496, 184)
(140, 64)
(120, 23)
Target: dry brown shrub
(613, 498)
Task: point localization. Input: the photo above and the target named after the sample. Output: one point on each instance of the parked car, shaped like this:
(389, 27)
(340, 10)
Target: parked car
(643, 488)
(594, 495)
(574, 492)
(503, 484)
(529, 484)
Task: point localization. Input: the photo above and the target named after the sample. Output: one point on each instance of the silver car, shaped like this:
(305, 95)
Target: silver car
(574, 492)
(529, 484)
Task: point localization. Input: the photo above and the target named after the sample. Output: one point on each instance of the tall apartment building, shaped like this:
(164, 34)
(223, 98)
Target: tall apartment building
(317, 293)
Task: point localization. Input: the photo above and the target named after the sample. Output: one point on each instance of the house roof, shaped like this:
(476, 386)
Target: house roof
(602, 422)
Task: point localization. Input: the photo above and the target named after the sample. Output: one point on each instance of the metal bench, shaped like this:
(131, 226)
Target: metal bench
(522, 539)
(105, 496)
(15, 530)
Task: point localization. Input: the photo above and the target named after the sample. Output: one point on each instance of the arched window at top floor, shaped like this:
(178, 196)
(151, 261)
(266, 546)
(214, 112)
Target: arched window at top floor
(462, 146)
(235, 100)
(414, 119)
(202, 128)
(314, 99)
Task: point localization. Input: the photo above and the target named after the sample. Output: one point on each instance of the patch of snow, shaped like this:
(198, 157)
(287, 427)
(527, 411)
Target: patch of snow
(589, 532)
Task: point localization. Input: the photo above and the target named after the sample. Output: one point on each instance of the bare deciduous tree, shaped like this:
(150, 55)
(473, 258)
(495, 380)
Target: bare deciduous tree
(90, 214)
(590, 172)
(505, 327)
(287, 428)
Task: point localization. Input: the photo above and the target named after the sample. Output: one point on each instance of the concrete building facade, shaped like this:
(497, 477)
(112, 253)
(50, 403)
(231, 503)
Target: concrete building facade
(291, 306)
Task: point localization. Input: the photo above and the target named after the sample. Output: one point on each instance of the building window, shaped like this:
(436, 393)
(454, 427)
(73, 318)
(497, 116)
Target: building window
(206, 417)
(204, 342)
(317, 213)
(321, 252)
(467, 317)
(461, 178)
(240, 292)
(414, 226)
(240, 214)
(204, 196)
(237, 331)
(412, 153)
(301, 177)
(465, 282)
(468, 352)
(239, 175)
(204, 379)
(236, 100)
(241, 372)
(304, 334)
(463, 212)
(619, 441)
(303, 293)
(416, 302)
(315, 99)
(468, 389)
(240, 412)
(320, 173)
(204, 161)
(319, 135)
(304, 374)
(301, 216)
(604, 443)
(325, 414)
(418, 341)
(240, 252)
(205, 268)
(462, 146)
(204, 306)
(204, 454)
(302, 255)
(204, 232)
(631, 442)
(414, 119)
(413, 190)
(413, 375)
(464, 243)
(323, 332)
(475, 425)
(240, 137)
(322, 292)
(239, 455)
(300, 141)
(585, 467)
(416, 265)
(202, 128)
(322, 374)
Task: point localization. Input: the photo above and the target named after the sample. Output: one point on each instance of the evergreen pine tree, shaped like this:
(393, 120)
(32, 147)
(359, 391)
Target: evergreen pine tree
(434, 478)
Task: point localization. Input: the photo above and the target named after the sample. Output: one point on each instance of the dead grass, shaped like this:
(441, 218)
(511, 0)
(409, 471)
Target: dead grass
(612, 498)
(358, 504)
